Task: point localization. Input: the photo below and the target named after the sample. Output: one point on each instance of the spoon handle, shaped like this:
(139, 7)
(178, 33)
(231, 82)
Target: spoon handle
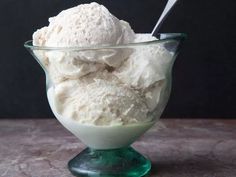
(163, 16)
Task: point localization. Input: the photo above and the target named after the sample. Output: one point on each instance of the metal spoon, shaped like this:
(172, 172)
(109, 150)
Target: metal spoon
(163, 16)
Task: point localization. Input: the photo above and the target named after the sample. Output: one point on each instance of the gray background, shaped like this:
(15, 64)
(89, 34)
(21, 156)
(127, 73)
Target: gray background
(204, 73)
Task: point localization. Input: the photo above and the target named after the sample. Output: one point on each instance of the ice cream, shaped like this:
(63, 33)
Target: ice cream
(84, 25)
(146, 65)
(102, 136)
(81, 26)
(96, 90)
(99, 99)
(146, 69)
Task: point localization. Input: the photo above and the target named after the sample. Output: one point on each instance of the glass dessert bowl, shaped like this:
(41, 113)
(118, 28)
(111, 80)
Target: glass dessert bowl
(109, 107)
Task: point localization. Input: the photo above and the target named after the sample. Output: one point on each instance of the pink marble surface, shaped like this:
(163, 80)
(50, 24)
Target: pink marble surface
(181, 148)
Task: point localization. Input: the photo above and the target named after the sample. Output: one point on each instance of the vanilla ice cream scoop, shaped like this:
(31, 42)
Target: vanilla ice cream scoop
(146, 65)
(87, 25)
(99, 100)
(83, 25)
(146, 69)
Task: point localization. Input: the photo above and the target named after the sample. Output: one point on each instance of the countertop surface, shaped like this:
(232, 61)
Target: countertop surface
(176, 147)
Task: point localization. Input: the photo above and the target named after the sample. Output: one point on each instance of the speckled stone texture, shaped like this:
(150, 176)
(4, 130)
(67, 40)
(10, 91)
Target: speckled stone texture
(178, 148)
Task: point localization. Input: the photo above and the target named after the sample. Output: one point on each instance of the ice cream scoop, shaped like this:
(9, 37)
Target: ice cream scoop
(99, 99)
(86, 25)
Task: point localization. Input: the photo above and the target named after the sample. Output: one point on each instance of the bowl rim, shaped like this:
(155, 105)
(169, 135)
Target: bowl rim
(161, 37)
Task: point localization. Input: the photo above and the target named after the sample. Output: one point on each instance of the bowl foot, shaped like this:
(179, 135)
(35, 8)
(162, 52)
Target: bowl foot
(124, 162)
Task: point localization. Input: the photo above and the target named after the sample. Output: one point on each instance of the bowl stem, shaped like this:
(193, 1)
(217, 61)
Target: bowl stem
(123, 162)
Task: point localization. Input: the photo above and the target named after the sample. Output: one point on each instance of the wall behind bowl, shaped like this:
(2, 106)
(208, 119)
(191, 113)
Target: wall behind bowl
(204, 72)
